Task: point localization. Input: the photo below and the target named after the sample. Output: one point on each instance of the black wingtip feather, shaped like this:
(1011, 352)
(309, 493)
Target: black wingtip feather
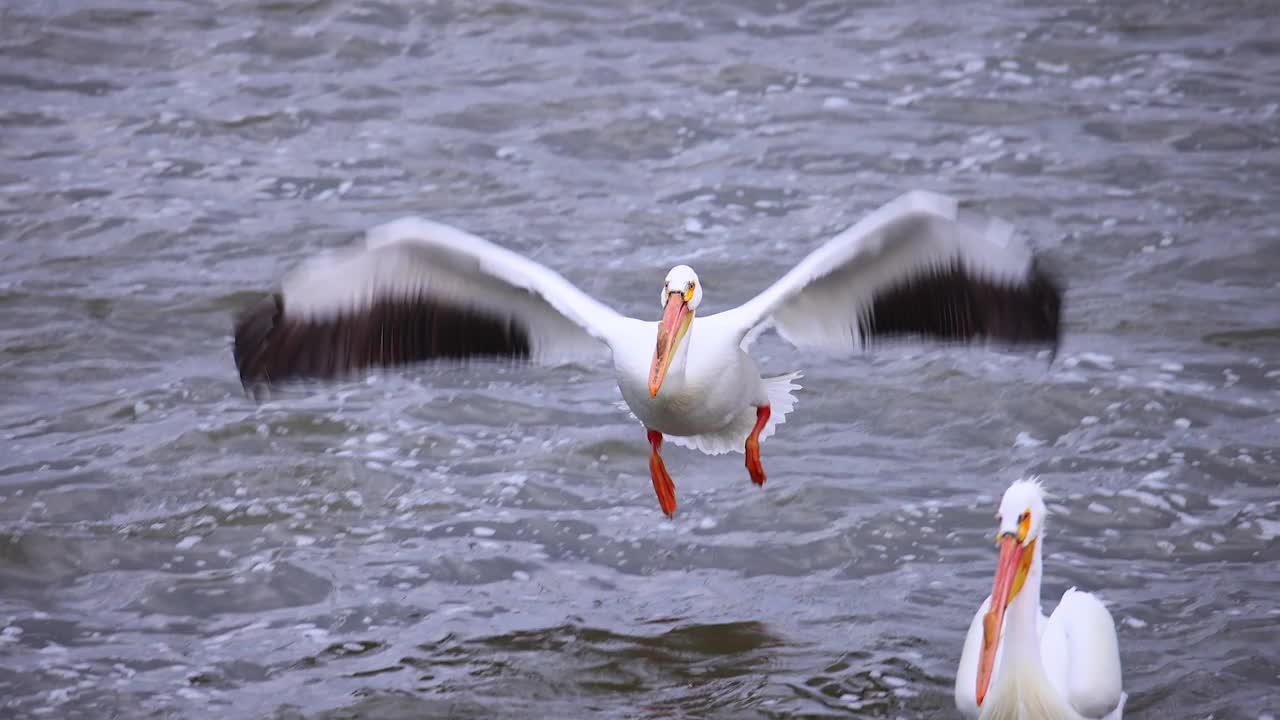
(1047, 290)
(253, 330)
(271, 347)
(952, 303)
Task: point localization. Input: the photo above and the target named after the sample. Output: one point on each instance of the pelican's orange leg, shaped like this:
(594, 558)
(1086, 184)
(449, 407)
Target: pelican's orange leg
(753, 446)
(662, 484)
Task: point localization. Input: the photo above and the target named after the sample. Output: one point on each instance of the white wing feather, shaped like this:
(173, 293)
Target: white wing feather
(819, 302)
(966, 688)
(413, 257)
(1081, 655)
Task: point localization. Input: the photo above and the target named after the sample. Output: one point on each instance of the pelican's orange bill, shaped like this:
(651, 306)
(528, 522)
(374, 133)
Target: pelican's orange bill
(675, 321)
(1002, 591)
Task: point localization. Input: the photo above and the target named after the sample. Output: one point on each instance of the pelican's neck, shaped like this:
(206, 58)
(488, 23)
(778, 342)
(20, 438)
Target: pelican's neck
(680, 361)
(1022, 624)
(1025, 689)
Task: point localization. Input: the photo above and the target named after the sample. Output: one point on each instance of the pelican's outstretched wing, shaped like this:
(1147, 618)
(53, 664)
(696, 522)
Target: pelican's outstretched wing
(919, 265)
(416, 290)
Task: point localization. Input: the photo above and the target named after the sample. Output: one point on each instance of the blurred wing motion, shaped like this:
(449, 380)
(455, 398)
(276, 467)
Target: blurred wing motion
(919, 265)
(416, 290)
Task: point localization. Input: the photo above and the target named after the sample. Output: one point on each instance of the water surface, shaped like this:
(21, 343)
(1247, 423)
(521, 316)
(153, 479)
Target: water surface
(485, 542)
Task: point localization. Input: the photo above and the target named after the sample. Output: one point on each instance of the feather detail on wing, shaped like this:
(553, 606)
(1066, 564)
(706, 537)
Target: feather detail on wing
(919, 265)
(416, 290)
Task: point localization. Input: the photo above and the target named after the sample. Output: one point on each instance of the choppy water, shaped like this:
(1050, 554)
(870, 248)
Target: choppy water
(485, 542)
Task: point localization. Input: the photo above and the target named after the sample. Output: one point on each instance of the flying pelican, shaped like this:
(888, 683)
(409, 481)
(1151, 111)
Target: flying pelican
(1027, 666)
(419, 290)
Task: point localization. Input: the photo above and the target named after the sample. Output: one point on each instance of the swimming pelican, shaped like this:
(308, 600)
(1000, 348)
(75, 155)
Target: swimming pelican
(1026, 666)
(418, 290)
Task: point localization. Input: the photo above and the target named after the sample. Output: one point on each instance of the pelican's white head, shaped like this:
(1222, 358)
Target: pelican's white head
(1024, 500)
(1021, 517)
(680, 298)
(682, 279)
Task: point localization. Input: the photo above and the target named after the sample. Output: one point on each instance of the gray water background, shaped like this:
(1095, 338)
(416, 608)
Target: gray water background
(485, 542)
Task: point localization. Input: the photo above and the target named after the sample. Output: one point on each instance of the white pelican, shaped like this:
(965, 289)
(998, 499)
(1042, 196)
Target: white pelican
(1024, 666)
(418, 290)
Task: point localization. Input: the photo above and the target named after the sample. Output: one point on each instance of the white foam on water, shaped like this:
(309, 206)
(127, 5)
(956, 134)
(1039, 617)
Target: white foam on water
(58, 696)
(482, 531)
(1156, 479)
(188, 542)
(853, 702)
(1105, 362)
(1267, 529)
(893, 680)
(1149, 499)
(1027, 440)
(905, 100)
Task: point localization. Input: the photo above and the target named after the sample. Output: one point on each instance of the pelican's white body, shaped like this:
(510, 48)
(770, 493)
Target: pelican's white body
(709, 397)
(1062, 667)
(709, 384)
